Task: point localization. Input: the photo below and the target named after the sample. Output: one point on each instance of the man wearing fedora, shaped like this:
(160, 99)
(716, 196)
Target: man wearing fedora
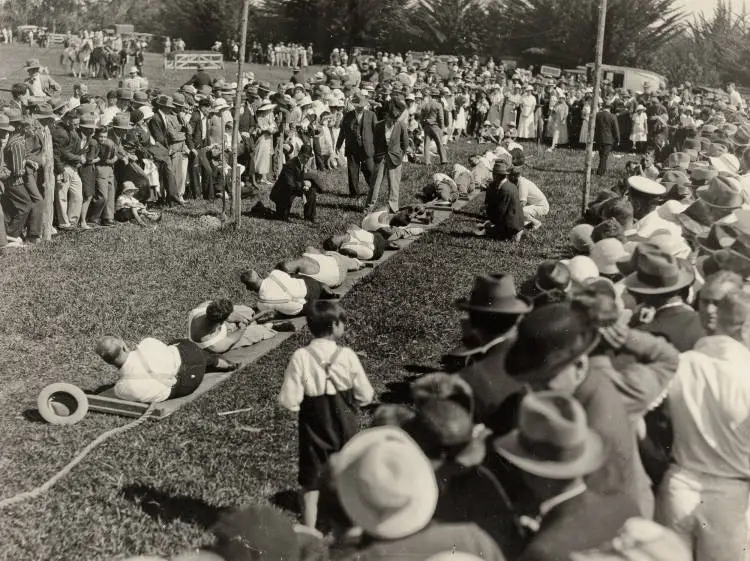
(493, 311)
(40, 85)
(557, 450)
(358, 132)
(201, 173)
(167, 130)
(503, 205)
(391, 144)
(660, 284)
(386, 486)
(551, 352)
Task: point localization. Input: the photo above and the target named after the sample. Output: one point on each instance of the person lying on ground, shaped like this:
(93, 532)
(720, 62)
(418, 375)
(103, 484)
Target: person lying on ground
(440, 190)
(218, 326)
(330, 267)
(394, 226)
(286, 294)
(358, 243)
(154, 372)
(464, 180)
(128, 208)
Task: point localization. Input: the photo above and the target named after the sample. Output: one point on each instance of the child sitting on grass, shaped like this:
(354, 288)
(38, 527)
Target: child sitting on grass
(326, 384)
(129, 208)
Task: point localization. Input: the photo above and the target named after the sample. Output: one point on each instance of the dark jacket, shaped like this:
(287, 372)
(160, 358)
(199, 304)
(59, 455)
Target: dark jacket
(496, 394)
(200, 78)
(680, 325)
(158, 129)
(504, 208)
(583, 522)
(396, 147)
(359, 137)
(195, 140)
(66, 143)
(607, 131)
(474, 494)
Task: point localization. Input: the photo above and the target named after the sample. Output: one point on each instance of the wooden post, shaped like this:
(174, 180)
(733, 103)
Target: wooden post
(236, 183)
(594, 103)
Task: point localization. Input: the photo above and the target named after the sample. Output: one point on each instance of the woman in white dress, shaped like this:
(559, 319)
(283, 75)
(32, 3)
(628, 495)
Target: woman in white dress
(559, 122)
(583, 137)
(639, 134)
(262, 159)
(527, 122)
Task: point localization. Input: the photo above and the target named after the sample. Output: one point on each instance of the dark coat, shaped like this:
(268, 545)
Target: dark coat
(583, 522)
(607, 130)
(158, 129)
(200, 78)
(680, 325)
(504, 209)
(360, 139)
(289, 186)
(195, 140)
(67, 146)
(496, 394)
(395, 149)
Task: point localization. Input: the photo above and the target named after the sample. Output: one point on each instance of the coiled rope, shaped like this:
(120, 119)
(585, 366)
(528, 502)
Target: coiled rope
(52, 481)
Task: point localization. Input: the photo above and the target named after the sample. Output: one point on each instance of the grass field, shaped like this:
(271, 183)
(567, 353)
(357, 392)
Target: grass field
(157, 488)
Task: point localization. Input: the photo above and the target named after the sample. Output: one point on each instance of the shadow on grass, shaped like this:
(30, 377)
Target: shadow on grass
(33, 416)
(288, 500)
(399, 391)
(163, 507)
(350, 207)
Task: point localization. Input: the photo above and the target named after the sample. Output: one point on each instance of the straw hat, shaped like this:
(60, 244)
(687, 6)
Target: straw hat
(385, 483)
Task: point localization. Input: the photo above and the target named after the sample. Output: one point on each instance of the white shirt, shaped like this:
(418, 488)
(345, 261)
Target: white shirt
(360, 242)
(709, 403)
(149, 373)
(305, 377)
(530, 194)
(108, 114)
(282, 293)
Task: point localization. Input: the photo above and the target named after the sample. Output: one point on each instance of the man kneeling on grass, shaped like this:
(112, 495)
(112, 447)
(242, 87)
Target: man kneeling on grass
(155, 372)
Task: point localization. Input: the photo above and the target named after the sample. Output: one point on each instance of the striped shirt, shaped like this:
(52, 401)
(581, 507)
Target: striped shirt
(15, 155)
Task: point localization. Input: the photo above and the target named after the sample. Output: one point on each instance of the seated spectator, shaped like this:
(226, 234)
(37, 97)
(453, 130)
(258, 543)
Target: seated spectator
(128, 208)
(292, 184)
(387, 487)
(556, 449)
(580, 238)
(218, 326)
(533, 201)
(358, 243)
(283, 293)
(503, 205)
(155, 372)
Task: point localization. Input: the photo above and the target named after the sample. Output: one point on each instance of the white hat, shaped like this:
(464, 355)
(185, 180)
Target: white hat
(385, 483)
(726, 162)
(640, 108)
(581, 268)
(128, 186)
(133, 70)
(306, 100)
(606, 253)
(219, 104)
(267, 107)
(646, 186)
(146, 111)
(676, 246)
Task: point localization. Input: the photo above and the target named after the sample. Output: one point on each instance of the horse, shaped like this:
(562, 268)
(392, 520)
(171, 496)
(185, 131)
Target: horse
(83, 58)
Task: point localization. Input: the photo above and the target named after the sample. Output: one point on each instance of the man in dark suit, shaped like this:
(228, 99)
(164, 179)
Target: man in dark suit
(292, 184)
(606, 135)
(391, 143)
(358, 130)
(197, 142)
(663, 311)
(555, 449)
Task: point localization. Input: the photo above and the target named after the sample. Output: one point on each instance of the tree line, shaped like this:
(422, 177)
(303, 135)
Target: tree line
(655, 34)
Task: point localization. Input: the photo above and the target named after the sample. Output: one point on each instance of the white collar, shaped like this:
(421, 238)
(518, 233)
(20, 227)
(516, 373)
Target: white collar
(549, 504)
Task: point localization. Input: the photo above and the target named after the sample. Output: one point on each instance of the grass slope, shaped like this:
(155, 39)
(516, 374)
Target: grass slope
(156, 489)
